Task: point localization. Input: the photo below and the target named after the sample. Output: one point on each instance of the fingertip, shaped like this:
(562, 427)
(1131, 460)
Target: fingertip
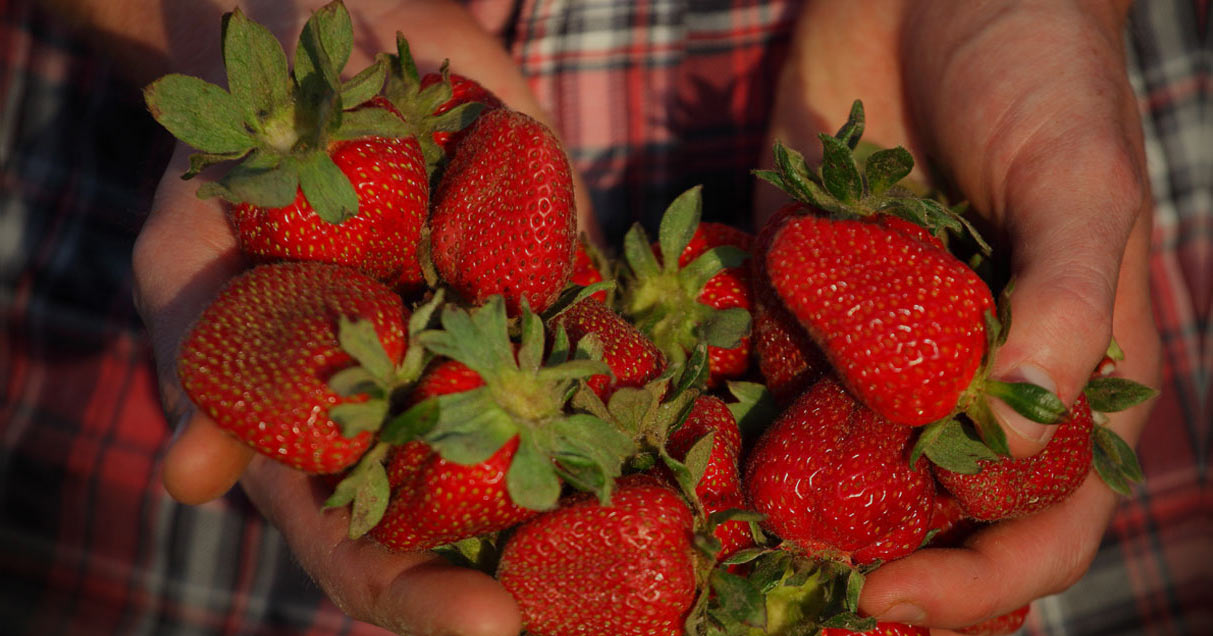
(438, 598)
(204, 462)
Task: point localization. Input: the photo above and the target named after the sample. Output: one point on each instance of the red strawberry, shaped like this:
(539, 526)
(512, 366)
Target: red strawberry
(503, 220)
(316, 181)
(722, 477)
(259, 357)
(788, 359)
(831, 476)
(702, 296)
(881, 629)
(381, 240)
(627, 568)
(463, 91)
(901, 320)
(734, 534)
(1007, 487)
(1008, 623)
(631, 356)
(585, 271)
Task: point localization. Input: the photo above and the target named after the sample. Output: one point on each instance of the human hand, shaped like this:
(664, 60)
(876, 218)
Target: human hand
(1027, 107)
(184, 255)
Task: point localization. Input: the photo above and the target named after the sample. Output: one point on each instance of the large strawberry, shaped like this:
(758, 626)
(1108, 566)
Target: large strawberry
(610, 570)
(260, 357)
(319, 178)
(435, 501)
(694, 289)
(633, 359)
(832, 478)
(503, 220)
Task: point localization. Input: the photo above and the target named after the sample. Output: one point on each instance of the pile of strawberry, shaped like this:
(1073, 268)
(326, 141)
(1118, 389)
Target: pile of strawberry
(717, 433)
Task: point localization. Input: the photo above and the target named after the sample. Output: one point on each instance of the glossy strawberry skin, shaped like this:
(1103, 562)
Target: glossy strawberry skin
(618, 570)
(435, 501)
(503, 220)
(709, 414)
(258, 359)
(631, 356)
(1008, 488)
(832, 477)
(381, 240)
(1002, 625)
(728, 289)
(788, 359)
(900, 319)
(881, 629)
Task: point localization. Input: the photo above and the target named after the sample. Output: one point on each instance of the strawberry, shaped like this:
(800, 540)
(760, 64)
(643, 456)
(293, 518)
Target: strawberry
(610, 570)
(1008, 623)
(734, 534)
(949, 525)
(1007, 488)
(693, 290)
(710, 415)
(881, 629)
(788, 359)
(259, 358)
(435, 501)
(463, 91)
(632, 358)
(831, 476)
(503, 220)
(320, 176)
(586, 271)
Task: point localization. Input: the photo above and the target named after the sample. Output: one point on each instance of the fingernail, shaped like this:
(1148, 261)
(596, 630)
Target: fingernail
(1020, 425)
(904, 613)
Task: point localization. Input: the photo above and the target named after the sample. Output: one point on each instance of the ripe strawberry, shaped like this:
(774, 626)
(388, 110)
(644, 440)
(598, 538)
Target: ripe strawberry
(1008, 623)
(321, 177)
(734, 534)
(881, 629)
(503, 220)
(901, 320)
(722, 477)
(702, 295)
(259, 357)
(632, 358)
(788, 359)
(381, 240)
(585, 270)
(831, 476)
(627, 568)
(1008, 488)
(435, 501)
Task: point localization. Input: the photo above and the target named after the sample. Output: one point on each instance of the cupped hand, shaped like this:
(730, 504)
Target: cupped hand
(1026, 109)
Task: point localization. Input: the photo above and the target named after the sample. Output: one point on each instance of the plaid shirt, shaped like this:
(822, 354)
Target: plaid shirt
(91, 544)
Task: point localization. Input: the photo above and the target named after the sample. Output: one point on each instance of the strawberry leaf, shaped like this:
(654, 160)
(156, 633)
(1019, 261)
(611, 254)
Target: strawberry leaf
(366, 84)
(630, 407)
(471, 427)
(638, 255)
(725, 328)
(988, 427)
(951, 445)
(257, 73)
(839, 173)
(414, 423)
(686, 477)
(359, 339)
(200, 114)
(884, 168)
(325, 43)
(263, 180)
(594, 446)
(754, 409)
(1114, 460)
(738, 600)
(327, 188)
(366, 122)
(368, 489)
(530, 348)
(351, 381)
(1029, 400)
(699, 271)
(531, 479)
(678, 225)
(852, 130)
(357, 417)
(1110, 395)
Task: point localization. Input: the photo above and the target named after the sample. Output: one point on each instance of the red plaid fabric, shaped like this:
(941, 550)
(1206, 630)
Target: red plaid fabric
(652, 97)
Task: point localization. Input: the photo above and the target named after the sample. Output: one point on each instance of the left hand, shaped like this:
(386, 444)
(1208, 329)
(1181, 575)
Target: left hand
(1027, 107)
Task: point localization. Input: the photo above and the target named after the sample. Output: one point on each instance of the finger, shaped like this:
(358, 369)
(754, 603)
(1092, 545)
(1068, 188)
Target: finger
(203, 462)
(1000, 568)
(409, 593)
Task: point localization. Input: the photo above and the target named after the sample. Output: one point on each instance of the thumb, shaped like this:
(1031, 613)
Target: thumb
(1068, 240)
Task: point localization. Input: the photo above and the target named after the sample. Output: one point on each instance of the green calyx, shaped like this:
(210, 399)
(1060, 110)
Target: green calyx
(844, 189)
(275, 122)
(662, 298)
(525, 395)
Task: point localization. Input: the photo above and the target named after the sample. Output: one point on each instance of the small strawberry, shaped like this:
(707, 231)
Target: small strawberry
(734, 535)
(711, 416)
(259, 358)
(788, 359)
(627, 568)
(1003, 625)
(503, 220)
(881, 629)
(831, 476)
(632, 358)
(320, 177)
(701, 295)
